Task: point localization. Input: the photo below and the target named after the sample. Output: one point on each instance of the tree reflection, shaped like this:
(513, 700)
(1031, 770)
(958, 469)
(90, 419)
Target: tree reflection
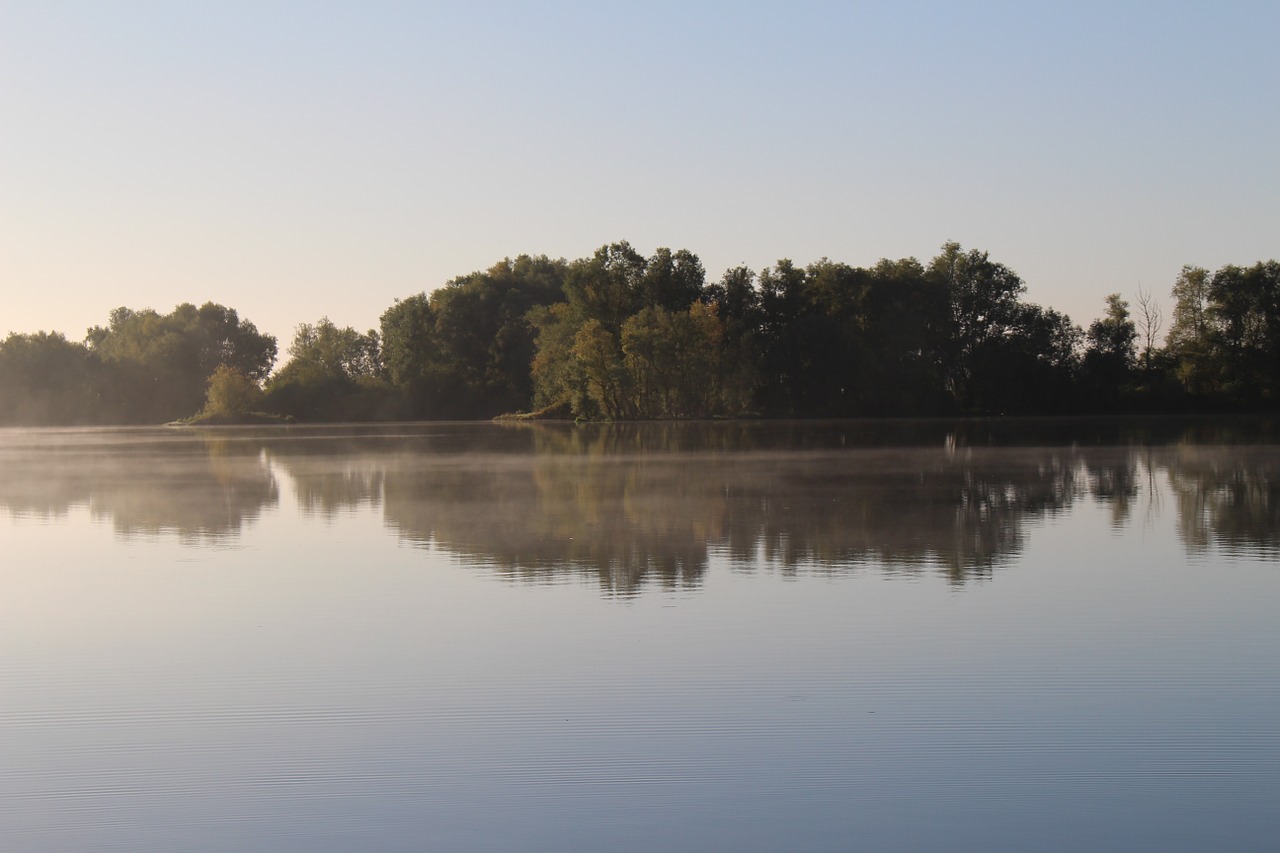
(146, 484)
(608, 504)
(643, 505)
(539, 517)
(1228, 499)
(1114, 481)
(330, 475)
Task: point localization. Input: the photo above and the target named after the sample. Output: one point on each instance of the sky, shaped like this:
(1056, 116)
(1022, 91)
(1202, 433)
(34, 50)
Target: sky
(295, 160)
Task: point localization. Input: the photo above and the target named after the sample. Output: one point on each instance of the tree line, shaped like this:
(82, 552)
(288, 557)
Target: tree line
(620, 336)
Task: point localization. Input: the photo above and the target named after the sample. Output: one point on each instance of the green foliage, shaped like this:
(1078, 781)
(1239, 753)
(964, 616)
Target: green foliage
(642, 338)
(1244, 308)
(1030, 369)
(163, 361)
(618, 335)
(984, 302)
(559, 379)
(465, 350)
(324, 351)
(46, 379)
(333, 374)
(673, 361)
(231, 394)
(1225, 337)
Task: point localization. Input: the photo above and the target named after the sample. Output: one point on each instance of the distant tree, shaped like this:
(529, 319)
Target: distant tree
(984, 299)
(465, 350)
(1189, 340)
(559, 379)
(323, 350)
(1149, 322)
(672, 360)
(1110, 356)
(608, 286)
(904, 322)
(1115, 335)
(231, 394)
(408, 340)
(1031, 369)
(1225, 336)
(46, 379)
(736, 302)
(786, 357)
(596, 350)
(163, 361)
(1244, 317)
(615, 301)
(333, 374)
(672, 280)
(736, 299)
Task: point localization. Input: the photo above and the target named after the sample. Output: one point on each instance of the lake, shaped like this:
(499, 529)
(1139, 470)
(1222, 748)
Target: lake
(966, 636)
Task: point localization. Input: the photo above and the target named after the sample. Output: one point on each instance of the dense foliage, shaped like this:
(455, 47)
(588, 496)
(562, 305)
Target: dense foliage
(619, 335)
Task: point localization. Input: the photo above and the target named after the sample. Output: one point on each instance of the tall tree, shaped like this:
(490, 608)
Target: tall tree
(1245, 316)
(1149, 322)
(1189, 340)
(1110, 355)
(786, 357)
(984, 298)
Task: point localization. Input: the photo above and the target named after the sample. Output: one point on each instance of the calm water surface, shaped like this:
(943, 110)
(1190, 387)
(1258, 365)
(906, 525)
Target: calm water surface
(747, 637)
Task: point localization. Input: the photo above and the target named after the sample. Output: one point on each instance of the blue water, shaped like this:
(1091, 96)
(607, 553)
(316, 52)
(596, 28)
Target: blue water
(747, 637)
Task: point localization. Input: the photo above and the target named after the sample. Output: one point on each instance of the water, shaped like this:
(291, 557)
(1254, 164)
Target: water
(901, 636)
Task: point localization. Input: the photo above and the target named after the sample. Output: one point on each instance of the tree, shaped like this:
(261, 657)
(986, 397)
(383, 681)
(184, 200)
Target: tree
(163, 361)
(672, 280)
(1110, 355)
(607, 286)
(1149, 322)
(606, 350)
(736, 302)
(608, 384)
(672, 360)
(905, 318)
(47, 380)
(333, 374)
(984, 299)
(559, 380)
(785, 358)
(231, 394)
(1189, 339)
(323, 350)
(1031, 368)
(1244, 316)
(1225, 335)
(408, 340)
(465, 350)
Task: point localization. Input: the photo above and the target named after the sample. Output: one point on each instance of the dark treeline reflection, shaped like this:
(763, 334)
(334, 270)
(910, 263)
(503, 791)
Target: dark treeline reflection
(603, 501)
(1225, 505)
(635, 505)
(145, 482)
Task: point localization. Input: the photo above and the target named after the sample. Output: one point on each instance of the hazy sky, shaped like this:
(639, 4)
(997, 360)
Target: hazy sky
(293, 160)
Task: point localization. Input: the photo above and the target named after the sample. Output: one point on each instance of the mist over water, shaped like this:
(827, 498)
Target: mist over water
(751, 635)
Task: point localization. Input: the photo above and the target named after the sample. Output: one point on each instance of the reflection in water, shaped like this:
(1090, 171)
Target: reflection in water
(145, 483)
(1225, 505)
(638, 504)
(337, 680)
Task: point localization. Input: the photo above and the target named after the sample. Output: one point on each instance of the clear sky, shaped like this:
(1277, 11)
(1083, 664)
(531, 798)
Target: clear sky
(299, 159)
